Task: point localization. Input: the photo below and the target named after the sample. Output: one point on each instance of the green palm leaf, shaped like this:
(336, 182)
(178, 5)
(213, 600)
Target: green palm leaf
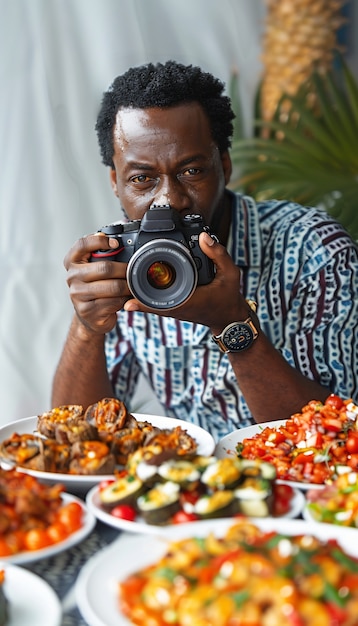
(312, 157)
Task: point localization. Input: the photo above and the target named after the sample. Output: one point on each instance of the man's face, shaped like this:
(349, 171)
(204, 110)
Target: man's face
(167, 156)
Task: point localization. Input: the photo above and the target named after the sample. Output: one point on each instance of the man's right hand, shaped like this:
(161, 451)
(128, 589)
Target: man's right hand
(98, 290)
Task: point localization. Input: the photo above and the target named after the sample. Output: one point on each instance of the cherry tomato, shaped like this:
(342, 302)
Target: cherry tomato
(57, 532)
(352, 443)
(282, 499)
(334, 401)
(36, 539)
(189, 497)
(181, 517)
(70, 515)
(124, 511)
(283, 491)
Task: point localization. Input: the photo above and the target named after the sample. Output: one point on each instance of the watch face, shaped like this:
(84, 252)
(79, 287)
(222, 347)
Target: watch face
(238, 337)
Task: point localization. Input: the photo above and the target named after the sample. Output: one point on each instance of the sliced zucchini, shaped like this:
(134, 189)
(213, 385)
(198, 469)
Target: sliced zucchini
(252, 467)
(160, 503)
(222, 474)
(221, 503)
(255, 507)
(202, 462)
(255, 497)
(125, 490)
(183, 473)
(147, 473)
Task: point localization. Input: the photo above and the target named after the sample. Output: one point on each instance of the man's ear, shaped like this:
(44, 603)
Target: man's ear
(227, 166)
(113, 180)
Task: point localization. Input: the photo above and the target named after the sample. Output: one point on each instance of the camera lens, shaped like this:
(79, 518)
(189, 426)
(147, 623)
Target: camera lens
(162, 274)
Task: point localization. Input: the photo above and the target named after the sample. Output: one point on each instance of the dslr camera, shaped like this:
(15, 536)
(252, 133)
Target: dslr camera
(165, 262)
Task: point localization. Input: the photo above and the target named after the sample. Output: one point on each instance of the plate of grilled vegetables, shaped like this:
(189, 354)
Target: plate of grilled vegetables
(149, 495)
(81, 447)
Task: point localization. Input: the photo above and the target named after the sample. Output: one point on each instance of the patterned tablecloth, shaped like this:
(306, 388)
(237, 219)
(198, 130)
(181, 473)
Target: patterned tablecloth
(61, 570)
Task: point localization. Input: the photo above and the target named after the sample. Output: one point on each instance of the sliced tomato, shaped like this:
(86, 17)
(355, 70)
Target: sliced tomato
(276, 437)
(333, 424)
(301, 458)
(315, 440)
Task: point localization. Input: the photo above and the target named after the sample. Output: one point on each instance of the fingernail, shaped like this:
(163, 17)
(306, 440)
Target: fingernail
(208, 240)
(113, 243)
(130, 306)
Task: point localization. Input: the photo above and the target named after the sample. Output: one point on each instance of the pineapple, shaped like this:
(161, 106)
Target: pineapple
(298, 35)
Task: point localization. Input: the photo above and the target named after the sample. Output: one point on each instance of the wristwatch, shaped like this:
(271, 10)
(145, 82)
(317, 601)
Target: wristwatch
(238, 336)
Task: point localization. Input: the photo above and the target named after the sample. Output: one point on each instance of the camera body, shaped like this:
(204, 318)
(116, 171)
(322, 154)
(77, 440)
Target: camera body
(165, 262)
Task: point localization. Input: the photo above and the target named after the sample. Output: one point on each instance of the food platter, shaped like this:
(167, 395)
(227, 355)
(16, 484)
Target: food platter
(31, 600)
(80, 484)
(97, 584)
(140, 526)
(227, 446)
(89, 522)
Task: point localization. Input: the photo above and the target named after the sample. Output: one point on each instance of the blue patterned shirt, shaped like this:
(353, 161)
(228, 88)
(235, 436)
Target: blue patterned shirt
(302, 269)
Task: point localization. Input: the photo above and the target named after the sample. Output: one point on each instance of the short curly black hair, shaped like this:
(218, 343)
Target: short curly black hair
(165, 85)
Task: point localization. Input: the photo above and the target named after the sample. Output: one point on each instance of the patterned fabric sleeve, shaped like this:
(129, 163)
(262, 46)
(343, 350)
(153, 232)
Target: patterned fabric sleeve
(310, 308)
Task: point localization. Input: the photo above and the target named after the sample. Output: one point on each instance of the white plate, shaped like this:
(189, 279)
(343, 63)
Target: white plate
(89, 522)
(31, 600)
(227, 447)
(140, 526)
(97, 584)
(76, 483)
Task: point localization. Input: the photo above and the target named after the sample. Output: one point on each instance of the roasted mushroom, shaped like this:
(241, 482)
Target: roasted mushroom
(108, 414)
(91, 457)
(66, 414)
(78, 431)
(20, 449)
(125, 442)
(52, 457)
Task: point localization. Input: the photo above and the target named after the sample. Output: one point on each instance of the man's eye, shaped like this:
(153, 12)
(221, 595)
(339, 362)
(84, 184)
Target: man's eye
(141, 178)
(191, 171)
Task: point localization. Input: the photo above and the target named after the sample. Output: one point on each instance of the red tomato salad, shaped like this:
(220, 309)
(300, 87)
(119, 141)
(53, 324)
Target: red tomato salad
(314, 446)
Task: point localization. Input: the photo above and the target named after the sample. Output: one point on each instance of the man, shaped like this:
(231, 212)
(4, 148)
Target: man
(164, 131)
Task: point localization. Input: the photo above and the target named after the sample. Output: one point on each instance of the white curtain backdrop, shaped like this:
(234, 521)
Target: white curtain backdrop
(56, 59)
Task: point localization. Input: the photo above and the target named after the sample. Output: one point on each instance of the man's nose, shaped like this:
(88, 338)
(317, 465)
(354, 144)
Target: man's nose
(171, 191)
